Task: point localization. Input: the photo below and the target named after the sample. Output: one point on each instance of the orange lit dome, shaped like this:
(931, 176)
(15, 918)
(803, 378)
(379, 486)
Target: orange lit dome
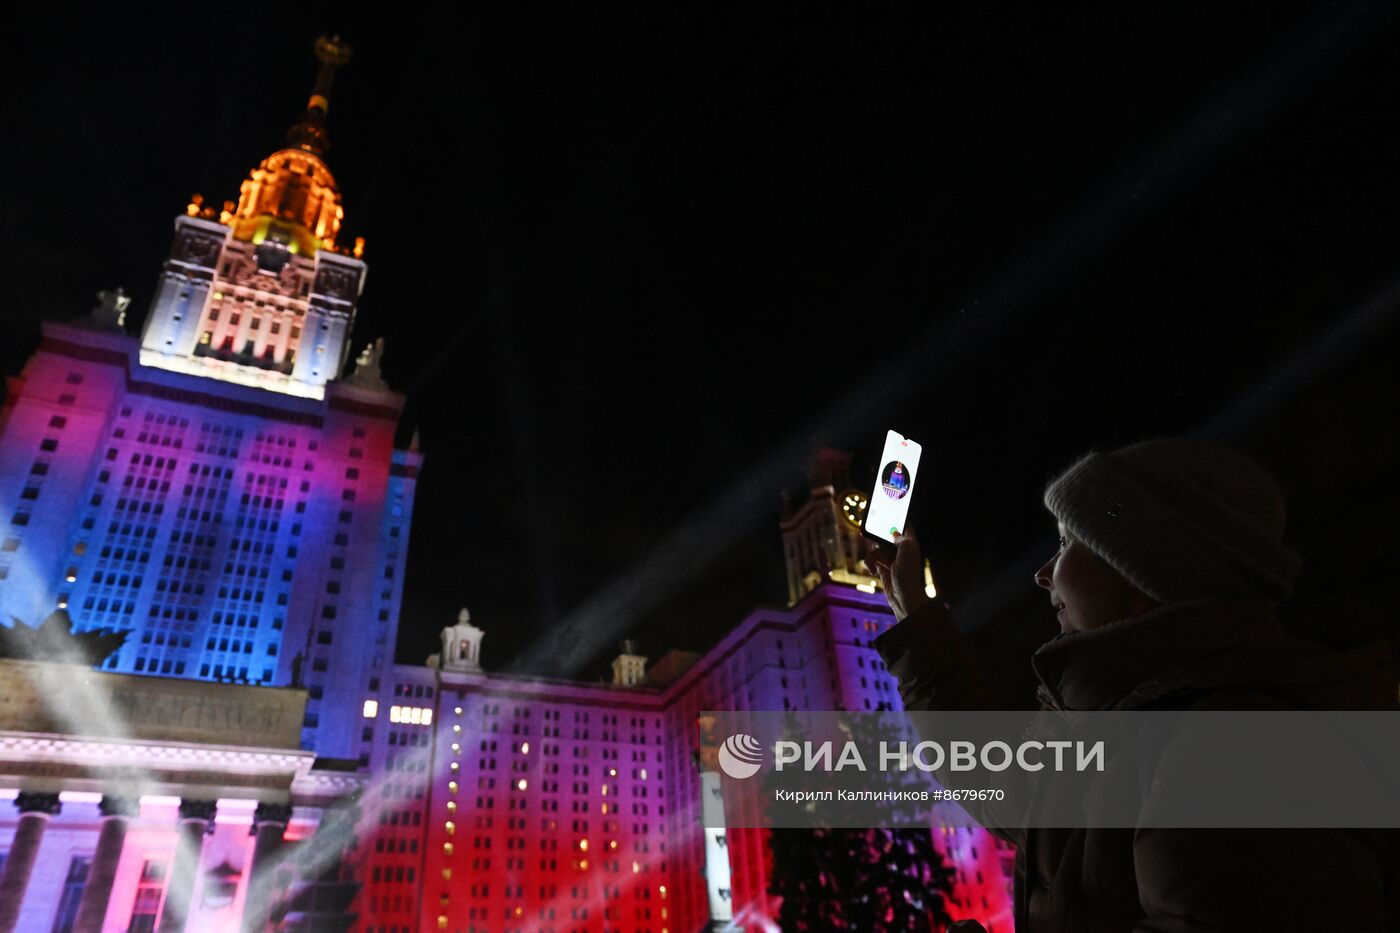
(292, 196)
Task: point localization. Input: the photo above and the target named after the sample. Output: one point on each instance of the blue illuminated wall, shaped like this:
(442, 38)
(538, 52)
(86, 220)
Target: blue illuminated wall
(236, 533)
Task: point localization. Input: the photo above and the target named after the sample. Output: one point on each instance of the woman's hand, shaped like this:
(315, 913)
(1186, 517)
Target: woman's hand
(902, 575)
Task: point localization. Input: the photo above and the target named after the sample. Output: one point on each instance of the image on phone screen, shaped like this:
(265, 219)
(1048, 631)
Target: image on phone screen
(894, 488)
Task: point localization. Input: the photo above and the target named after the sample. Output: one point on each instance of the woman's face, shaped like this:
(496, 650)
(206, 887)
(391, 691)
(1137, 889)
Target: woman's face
(1086, 592)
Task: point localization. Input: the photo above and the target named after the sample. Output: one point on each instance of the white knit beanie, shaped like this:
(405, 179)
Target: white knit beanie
(1180, 520)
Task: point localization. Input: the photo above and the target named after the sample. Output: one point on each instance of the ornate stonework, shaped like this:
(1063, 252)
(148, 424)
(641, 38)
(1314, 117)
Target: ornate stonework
(126, 707)
(109, 312)
(335, 282)
(271, 813)
(367, 374)
(204, 810)
(47, 804)
(461, 646)
(286, 283)
(197, 248)
(127, 807)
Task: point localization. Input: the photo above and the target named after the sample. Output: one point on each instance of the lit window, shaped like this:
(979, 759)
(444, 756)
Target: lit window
(413, 715)
(371, 709)
(521, 784)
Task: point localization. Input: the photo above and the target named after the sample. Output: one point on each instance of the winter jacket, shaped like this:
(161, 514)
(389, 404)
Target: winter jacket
(1199, 656)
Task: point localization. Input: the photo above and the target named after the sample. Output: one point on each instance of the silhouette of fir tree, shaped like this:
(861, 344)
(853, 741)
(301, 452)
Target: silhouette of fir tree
(878, 879)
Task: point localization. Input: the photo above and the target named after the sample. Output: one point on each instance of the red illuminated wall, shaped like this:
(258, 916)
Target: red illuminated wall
(514, 858)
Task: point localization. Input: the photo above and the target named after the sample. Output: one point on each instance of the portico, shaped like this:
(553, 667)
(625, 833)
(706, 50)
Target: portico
(147, 803)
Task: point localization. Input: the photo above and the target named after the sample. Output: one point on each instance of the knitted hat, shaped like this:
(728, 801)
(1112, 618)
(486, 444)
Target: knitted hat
(1180, 520)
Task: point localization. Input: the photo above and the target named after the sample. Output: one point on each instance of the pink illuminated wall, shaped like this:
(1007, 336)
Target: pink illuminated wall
(478, 817)
(146, 857)
(245, 535)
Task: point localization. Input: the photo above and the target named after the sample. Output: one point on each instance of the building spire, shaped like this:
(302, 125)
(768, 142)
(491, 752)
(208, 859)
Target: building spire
(309, 133)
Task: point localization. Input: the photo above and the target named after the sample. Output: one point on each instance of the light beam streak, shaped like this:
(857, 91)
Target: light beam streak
(1170, 165)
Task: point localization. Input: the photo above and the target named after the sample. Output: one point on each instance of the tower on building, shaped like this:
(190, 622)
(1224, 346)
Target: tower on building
(461, 646)
(629, 667)
(821, 537)
(216, 488)
(261, 293)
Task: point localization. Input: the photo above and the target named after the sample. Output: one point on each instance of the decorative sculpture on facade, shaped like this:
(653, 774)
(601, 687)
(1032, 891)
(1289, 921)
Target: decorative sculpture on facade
(367, 374)
(110, 311)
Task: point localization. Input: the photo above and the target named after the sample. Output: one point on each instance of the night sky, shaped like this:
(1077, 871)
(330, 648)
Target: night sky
(633, 270)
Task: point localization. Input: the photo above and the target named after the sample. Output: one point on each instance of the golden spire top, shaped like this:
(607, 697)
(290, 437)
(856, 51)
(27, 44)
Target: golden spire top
(309, 133)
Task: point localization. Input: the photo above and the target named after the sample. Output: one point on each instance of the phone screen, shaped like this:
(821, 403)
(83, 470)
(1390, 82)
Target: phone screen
(894, 488)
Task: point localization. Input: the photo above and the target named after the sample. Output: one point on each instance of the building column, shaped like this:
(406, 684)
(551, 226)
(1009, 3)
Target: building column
(92, 909)
(34, 813)
(269, 824)
(196, 822)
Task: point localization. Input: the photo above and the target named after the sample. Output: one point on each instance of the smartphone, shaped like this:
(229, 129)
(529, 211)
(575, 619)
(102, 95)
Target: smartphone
(888, 511)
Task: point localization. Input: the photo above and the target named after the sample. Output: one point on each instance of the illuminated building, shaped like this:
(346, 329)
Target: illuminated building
(141, 803)
(219, 490)
(821, 537)
(516, 803)
(214, 486)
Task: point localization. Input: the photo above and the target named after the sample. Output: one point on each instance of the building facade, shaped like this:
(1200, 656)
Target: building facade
(514, 804)
(214, 486)
(219, 490)
(145, 803)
